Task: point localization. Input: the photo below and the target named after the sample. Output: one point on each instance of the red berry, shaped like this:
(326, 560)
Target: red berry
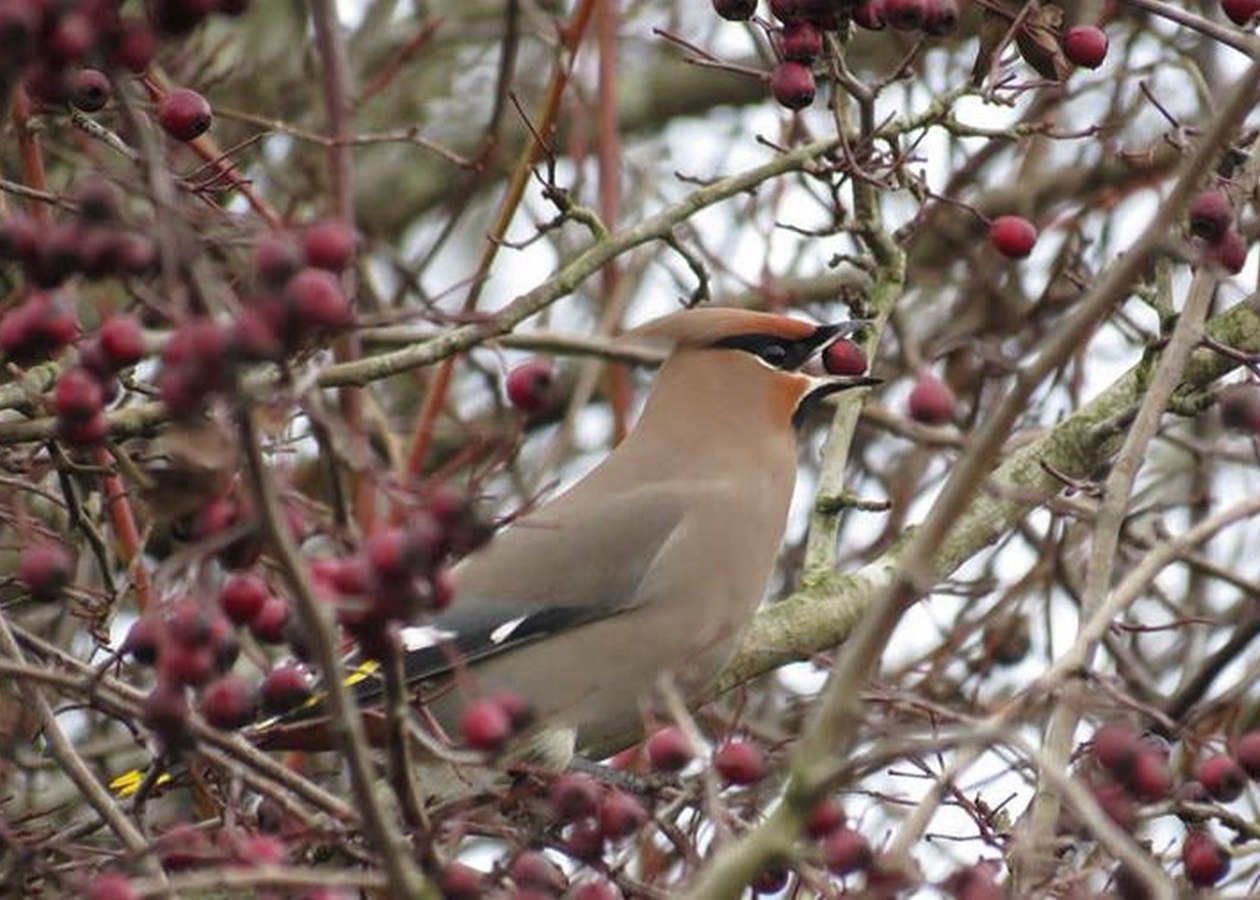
(786, 10)
(84, 432)
(243, 597)
(940, 17)
(1206, 861)
(1241, 12)
(574, 796)
(1013, 236)
(285, 687)
(316, 301)
(71, 39)
(977, 882)
(1231, 252)
(277, 258)
(1150, 780)
(792, 85)
(1085, 46)
(45, 570)
(111, 886)
(595, 890)
(931, 402)
(461, 882)
(1116, 748)
(329, 245)
(906, 15)
(740, 762)
(78, 395)
(669, 750)
(485, 725)
(122, 341)
(1211, 215)
(1117, 803)
(845, 851)
(1247, 753)
(825, 818)
(584, 841)
(229, 702)
(516, 708)
(534, 870)
(89, 90)
(871, 15)
(620, 815)
(801, 42)
(845, 357)
(268, 626)
(531, 386)
(165, 713)
(735, 10)
(1222, 778)
(135, 46)
(184, 114)
(143, 640)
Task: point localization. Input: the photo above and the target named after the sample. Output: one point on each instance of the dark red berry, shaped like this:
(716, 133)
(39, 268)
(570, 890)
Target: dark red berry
(1247, 753)
(574, 796)
(931, 402)
(1085, 46)
(485, 725)
(786, 10)
(184, 114)
(1116, 748)
(1231, 252)
(278, 256)
(669, 750)
(243, 597)
(801, 42)
(595, 890)
(846, 851)
(135, 46)
(1151, 780)
(584, 840)
(285, 687)
(1205, 860)
(78, 395)
(143, 640)
(531, 386)
(461, 882)
(89, 90)
(871, 15)
(1211, 215)
(1116, 801)
(1241, 12)
(316, 301)
(740, 762)
(735, 10)
(1222, 778)
(940, 17)
(792, 85)
(1013, 236)
(229, 702)
(45, 570)
(906, 15)
(534, 870)
(845, 357)
(268, 626)
(620, 815)
(165, 713)
(329, 245)
(825, 818)
(122, 341)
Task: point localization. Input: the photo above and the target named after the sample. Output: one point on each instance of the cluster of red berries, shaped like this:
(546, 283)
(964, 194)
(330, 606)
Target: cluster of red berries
(94, 243)
(41, 326)
(535, 876)
(1138, 772)
(591, 815)
(1212, 221)
(82, 392)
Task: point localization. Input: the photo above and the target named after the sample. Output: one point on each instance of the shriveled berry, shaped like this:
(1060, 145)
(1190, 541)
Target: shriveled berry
(1085, 45)
(735, 10)
(285, 687)
(845, 357)
(44, 570)
(1222, 778)
(792, 85)
(669, 750)
(531, 386)
(1211, 215)
(1205, 860)
(229, 702)
(846, 851)
(620, 815)
(184, 114)
(801, 42)
(740, 762)
(1013, 236)
(485, 725)
(1247, 753)
(906, 15)
(931, 402)
(1241, 12)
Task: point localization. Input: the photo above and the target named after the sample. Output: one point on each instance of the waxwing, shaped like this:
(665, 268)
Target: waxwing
(653, 563)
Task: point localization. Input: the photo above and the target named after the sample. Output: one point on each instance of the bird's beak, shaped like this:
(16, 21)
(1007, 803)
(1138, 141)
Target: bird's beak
(826, 335)
(823, 386)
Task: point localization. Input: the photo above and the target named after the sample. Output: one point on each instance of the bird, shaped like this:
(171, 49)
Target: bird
(650, 566)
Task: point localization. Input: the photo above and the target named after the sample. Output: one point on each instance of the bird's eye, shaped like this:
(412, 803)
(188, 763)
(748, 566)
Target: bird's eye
(770, 349)
(773, 352)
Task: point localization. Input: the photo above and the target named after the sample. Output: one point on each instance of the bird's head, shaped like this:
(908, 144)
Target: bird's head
(753, 347)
